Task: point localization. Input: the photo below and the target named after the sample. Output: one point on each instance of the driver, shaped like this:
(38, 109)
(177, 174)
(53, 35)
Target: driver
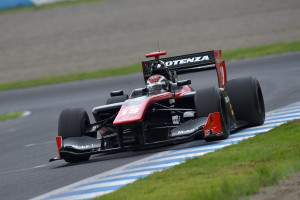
(157, 84)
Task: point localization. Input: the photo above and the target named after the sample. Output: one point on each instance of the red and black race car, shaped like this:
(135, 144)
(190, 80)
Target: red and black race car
(165, 111)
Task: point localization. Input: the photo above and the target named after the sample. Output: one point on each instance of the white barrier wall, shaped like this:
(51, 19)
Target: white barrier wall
(40, 2)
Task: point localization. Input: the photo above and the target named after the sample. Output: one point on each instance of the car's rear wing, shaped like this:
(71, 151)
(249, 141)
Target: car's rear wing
(189, 63)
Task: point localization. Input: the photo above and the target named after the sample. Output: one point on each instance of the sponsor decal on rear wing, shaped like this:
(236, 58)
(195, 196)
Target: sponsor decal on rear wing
(189, 63)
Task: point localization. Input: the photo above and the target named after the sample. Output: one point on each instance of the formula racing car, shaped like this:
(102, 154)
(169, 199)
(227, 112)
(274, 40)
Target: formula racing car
(166, 111)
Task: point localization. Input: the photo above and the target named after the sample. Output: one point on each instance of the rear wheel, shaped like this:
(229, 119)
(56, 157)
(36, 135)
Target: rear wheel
(210, 100)
(72, 123)
(247, 100)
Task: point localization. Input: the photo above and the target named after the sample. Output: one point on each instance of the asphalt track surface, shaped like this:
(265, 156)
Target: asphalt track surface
(27, 143)
(119, 32)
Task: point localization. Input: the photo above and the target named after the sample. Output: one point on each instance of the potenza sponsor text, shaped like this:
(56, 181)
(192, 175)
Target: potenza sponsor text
(186, 60)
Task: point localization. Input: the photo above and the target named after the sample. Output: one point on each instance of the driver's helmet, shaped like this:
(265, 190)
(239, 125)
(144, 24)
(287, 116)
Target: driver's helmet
(157, 84)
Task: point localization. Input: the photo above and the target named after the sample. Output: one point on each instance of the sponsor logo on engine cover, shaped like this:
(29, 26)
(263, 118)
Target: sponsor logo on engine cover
(186, 61)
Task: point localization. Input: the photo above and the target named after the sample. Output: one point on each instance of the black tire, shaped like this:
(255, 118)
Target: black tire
(247, 100)
(210, 100)
(117, 99)
(72, 122)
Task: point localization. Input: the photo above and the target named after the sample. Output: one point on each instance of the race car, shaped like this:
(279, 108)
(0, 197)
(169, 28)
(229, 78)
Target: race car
(165, 111)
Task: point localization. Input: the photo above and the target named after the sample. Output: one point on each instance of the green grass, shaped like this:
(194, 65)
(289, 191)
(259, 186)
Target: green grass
(262, 50)
(227, 55)
(7, 116)
(46, 6)
(71, 77)
(229, 173)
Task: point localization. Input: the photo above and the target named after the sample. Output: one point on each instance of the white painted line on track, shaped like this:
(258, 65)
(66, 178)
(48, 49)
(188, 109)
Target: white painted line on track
(11, 130)
(296, 109)
(265, 126)
(40, 166)
(284, 115)
(109, 181)
(170, 158)
(204, 147)
(251, 132)
(106, 184)
(112, 177)
(292, 108)
(167, 165)
(25, 169)
(280, 120)
(26, 113)
(42, 143)
(83, 196)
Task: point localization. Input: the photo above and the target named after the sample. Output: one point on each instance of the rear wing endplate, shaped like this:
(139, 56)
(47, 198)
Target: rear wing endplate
(189, 63)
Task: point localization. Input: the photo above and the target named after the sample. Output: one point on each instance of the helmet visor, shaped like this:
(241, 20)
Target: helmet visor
(157, 88)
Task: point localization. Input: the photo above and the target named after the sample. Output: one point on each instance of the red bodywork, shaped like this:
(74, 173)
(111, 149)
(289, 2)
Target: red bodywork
(59, 145)
(221, 69)
(135, 113)
(156, 54)
(213, 124)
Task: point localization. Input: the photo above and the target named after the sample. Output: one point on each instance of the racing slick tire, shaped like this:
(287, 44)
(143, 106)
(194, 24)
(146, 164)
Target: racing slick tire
(247, 100)
(117, 99)
(72, 122)
(211, 100)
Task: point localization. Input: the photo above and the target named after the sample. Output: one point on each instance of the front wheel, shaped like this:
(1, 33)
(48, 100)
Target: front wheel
(73, 122)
